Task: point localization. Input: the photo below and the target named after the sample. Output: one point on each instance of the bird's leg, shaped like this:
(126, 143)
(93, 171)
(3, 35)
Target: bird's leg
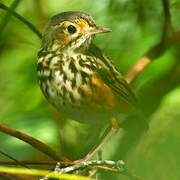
(111, 133)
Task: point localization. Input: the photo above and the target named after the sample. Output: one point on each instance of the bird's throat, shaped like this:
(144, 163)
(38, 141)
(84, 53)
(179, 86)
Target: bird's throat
(79, 45)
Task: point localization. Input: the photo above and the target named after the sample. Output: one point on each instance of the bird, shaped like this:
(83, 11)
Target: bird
(77, 77)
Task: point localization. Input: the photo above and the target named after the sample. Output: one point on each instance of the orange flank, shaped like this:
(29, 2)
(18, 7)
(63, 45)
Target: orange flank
(103, 93)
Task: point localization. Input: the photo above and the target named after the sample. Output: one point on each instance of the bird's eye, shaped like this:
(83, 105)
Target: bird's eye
(71, 29)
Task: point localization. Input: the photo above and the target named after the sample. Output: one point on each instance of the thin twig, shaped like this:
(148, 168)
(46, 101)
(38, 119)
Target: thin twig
(32, 141)
(8, 15)
(117, 166)
(87, 164)
(16, 162)
(22, 19)
(30, 162)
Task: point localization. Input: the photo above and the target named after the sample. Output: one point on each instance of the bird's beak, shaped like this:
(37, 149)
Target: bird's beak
(97, 30)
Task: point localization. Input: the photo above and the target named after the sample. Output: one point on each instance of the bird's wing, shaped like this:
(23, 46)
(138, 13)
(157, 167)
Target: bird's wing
(112, 78)
(120, 88)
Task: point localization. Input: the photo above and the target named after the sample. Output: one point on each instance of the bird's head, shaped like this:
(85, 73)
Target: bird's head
(71, 30)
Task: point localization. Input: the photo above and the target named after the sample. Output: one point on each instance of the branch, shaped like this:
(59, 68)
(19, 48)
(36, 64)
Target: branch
(32, 141)
(15, 161)
(115, 166)
(158, 49)
(32, 163)
(22, 19)
(8, 15)
(39, 172)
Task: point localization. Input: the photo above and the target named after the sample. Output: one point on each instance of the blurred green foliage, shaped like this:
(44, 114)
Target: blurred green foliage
(136, 26)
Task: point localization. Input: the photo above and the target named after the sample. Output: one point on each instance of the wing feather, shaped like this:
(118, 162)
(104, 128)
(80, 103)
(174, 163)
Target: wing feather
(112, 78)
